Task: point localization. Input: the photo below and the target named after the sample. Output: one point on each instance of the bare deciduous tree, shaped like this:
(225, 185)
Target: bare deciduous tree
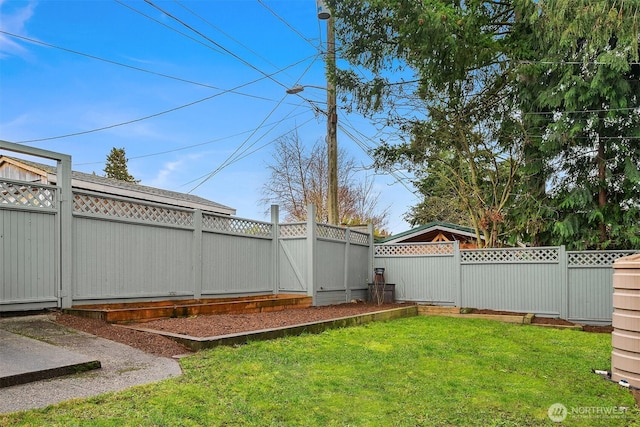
(299, 177)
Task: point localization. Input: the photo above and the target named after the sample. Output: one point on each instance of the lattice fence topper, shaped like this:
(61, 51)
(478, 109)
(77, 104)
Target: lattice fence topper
(236, 225)
(330, 232)
(27, 195)
(509, 255)
(293, 230)
(86, 203)
(360, 238)
(405, 249)
(595, 258)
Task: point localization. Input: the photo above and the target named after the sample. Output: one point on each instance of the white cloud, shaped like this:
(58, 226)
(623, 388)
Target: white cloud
(171, 172)
(13, 20)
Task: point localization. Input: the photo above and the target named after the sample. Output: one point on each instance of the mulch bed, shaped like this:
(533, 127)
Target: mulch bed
(211, 325)
(222, 324)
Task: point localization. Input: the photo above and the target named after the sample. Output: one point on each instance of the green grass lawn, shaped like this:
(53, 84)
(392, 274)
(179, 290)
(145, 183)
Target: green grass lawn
(421, 371)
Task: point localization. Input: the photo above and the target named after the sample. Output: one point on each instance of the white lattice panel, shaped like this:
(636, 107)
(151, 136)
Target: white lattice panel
(293, 230)
(329, 232)
(405, 249)
(509, 255)
(27, 195)
(360, 238)
(90, 204)
(236, 225)
(596, 258)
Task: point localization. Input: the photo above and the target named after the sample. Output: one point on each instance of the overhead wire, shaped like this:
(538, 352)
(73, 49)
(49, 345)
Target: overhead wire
(229, 36)
(247, 154)
(157, 21)
(230, 159)
(210, 40)
(155, 114)
(109, 61)
(572, 62)
(543, 113)
(395, 173)
(291, 27)
(175, 150)
(398, 176)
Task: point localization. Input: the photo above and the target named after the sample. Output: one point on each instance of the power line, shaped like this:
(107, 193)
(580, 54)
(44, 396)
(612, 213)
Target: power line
(238, 155)
(160, 113)
(229, 159)
(542, 113)
(181, 22)
(187, 147)
(291, 27)
(570, 63)
(229, 36)
(247, 154)
(394, 173)
(208, 46)
(109, 61)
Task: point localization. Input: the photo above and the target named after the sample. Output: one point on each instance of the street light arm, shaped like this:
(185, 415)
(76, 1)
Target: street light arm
(299, 88)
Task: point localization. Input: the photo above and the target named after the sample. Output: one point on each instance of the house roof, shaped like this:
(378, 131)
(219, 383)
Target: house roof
(86, 181)
(429, 231)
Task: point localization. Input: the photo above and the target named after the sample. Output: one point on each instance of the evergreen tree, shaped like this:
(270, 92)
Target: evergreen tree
(460, 131)
(580, 97)
(116, 166)
(539, 101)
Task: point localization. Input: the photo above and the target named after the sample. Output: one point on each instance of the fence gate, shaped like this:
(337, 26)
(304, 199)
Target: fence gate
(293, 258)
(28, 241)
(34, 270)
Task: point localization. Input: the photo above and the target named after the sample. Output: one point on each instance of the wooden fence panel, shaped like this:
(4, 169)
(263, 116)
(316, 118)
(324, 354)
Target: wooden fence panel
(421, 272)
(546, 281)
(121, 260)
(28, 271)
(591, 285)
(236, 264)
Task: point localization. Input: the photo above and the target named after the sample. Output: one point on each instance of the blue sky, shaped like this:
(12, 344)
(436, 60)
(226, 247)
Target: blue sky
(48, 92)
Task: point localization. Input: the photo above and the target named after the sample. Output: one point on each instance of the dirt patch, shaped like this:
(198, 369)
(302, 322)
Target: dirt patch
(598, 329)
(551, 321)
(548, 321)
(212, 325)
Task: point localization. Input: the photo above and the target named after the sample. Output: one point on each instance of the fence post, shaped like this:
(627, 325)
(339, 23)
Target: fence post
(563, 266)
(372, 253)
(63, 177)
(311, 253)
(457, 274)
(275, 248)
(196, 262)
(347, 255)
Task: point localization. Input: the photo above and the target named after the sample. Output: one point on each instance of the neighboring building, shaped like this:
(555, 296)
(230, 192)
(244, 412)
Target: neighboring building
(25, 170)
(435, 232)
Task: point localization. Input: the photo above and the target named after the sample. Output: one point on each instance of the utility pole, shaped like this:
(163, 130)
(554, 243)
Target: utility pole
(332, 127)
(332, 116)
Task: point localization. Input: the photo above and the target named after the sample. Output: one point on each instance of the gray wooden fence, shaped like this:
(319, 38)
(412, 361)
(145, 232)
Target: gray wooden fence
(61, 247)
(546, 281)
